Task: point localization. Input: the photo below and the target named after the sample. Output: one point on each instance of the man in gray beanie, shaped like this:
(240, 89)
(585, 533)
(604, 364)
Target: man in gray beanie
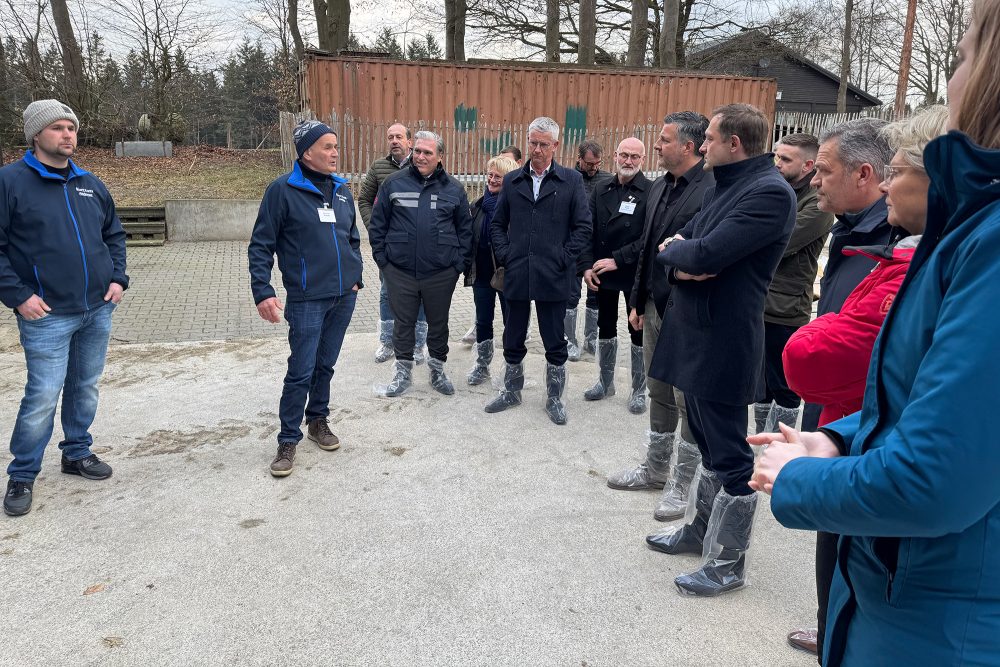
(307, 219)
(62, 270)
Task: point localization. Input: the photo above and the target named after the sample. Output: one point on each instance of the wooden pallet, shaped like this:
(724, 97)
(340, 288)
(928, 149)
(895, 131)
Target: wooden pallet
(144, 225)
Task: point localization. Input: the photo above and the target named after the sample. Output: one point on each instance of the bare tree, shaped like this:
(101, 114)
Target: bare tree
(72, 57)
(333, 23)
(845, 58)
(667, 41)
(293, 28)
(454, 29)
(588, 32)
(940, 25)
(552, 31)
(639, 34)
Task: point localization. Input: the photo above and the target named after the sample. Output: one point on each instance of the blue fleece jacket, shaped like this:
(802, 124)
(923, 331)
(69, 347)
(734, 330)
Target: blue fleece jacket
(59, 237)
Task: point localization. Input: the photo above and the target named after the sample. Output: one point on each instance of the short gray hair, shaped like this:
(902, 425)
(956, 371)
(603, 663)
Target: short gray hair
(911, 135)
(545, 124)
(860, 141)
(427, 135)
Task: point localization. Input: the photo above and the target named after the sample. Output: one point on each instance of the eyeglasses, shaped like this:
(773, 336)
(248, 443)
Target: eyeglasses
(541, 145)
(631, 157)
(493, 176)
(891, 171)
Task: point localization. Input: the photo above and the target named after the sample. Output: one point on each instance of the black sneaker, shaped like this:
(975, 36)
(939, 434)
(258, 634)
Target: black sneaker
(90, 467)
(17, 500)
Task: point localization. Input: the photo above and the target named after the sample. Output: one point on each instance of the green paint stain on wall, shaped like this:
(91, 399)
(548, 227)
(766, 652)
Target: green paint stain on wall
(465, 118)
(494, 146)
(575, 128)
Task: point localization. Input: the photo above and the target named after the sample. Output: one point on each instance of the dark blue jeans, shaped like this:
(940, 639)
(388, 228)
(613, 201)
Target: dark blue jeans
(315, 335)
(485, 299)
(63, 353)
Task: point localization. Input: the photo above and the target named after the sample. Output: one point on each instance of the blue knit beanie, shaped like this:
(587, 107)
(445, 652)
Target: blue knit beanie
(307, 133)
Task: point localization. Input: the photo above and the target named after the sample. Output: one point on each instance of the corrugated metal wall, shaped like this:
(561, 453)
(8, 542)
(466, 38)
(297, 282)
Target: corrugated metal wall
(387, 90)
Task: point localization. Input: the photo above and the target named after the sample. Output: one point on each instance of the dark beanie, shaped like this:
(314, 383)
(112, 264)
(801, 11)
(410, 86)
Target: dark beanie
(307, 133)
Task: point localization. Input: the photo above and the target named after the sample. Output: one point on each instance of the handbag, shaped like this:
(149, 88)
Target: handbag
(496, 282)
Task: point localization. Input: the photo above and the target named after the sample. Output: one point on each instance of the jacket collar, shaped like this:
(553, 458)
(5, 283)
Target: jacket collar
(802, 185)
(902, 251)
(402, 163)
(437, 174)
(639, 182)
(32, 161)
(555, 171)
(297, 179)
(727, 174)
(965, 178)
(867, 219)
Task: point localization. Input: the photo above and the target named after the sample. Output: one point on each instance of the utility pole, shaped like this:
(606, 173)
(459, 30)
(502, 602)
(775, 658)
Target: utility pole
(904, 60)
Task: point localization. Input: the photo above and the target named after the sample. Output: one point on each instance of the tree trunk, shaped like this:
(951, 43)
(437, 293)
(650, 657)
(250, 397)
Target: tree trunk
(668, 34)
(449, 29)
(904, 60)
(333, 23)
(552, 31)
(845, 59)
(72, 57)
(293, 27)
(461, 9)
(588, 32)
(639, 34)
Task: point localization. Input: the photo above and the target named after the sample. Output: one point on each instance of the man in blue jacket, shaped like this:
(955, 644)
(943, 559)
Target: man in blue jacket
(62, 269)
(541, 226)
(421, 238)
(721, 264)
(307, 218)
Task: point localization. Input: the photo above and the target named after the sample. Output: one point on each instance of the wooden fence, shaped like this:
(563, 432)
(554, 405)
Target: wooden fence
(791, 122)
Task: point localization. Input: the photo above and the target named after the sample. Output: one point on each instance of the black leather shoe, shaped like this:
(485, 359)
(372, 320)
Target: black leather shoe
(17, 500)
(90, 467)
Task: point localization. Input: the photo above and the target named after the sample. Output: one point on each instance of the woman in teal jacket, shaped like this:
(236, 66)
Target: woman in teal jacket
(912, 482)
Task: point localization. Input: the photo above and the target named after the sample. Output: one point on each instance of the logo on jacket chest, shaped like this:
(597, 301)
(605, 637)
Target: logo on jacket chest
(84, 192)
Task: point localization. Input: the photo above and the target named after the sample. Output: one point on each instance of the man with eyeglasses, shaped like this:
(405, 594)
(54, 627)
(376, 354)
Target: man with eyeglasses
(618, 208)
(590, 157)
(541, 225)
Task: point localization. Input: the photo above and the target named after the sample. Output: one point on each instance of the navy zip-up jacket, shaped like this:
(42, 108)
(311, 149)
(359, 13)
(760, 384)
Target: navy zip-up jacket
(421, 225)
(59, 238)
(317, 259)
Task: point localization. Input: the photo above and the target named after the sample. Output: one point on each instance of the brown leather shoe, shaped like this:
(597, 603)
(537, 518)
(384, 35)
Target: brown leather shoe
(320, 433)
(281, 466)
(803, 639)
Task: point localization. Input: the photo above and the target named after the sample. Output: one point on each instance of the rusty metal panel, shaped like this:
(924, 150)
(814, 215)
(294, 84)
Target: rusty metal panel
(387, 90)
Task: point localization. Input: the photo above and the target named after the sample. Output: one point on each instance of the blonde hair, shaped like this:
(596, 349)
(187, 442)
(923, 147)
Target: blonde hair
(911, 135)
(979, 113)
(501, 164)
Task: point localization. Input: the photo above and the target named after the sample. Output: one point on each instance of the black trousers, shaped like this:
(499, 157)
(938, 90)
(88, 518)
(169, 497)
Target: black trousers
(607, 316)
(720, 431)
(826, 565)
(574, 296)
(406, 294)
(810, 416)
(550, 316)
(775, 338)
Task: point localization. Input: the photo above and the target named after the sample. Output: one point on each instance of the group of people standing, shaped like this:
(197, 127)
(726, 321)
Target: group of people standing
(895, 465)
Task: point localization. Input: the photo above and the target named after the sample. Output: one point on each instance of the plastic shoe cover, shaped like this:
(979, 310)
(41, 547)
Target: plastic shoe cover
(786, 416)
(510, 394)
(480, 373)
(725, 548)
(637, 401)
(674, 501)
(651, 473)
(607, 354)
(590, 330)
(400, 382)
(384, 351)
(555, 384)
(689, 538)
(470, 336)
(420, 344)
(760, 411)
(569, 330)
(440, 381)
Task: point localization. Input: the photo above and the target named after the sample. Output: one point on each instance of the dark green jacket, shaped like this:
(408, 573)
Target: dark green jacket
(790, 296)
(380, 170)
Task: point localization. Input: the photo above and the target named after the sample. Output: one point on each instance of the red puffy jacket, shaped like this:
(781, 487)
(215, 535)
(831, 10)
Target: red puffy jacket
(826, 361)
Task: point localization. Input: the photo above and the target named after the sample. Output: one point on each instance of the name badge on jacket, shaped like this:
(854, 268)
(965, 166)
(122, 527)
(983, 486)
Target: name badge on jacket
(627, 207)
(327, 215)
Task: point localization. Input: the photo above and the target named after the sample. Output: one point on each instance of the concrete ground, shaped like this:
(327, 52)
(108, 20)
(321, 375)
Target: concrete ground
(437, 535)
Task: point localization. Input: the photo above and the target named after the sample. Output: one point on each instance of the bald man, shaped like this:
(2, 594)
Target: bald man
(618, 208)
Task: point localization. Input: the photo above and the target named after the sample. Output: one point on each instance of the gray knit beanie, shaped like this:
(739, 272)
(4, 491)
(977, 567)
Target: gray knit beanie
(307, 133)
(42, 113)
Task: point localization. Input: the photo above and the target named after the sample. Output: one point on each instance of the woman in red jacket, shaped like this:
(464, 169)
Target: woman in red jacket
(826, 361)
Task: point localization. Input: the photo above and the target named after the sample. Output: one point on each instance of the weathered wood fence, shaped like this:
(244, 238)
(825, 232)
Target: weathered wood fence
(791, 122)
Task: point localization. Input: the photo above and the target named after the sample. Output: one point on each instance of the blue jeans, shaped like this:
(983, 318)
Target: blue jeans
(385, 308)
(63, 353)
(315, 335)
(485, 299)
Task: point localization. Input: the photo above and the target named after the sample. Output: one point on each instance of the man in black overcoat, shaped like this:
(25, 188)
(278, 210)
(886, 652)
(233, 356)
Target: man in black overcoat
(721, 264)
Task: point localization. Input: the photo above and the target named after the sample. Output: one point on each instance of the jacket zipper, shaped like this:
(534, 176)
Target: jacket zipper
(336, 245)
(83, 253)
(302, 267)
(41, 290)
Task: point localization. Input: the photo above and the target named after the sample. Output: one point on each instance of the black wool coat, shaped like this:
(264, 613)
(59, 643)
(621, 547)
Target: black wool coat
(713, 342)
(615, 234)
(539, 241)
